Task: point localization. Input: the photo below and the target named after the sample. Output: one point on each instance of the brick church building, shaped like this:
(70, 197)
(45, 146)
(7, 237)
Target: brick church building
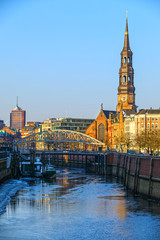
(109, 125)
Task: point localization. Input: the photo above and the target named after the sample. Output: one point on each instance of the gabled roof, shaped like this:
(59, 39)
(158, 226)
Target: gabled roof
(149, 111)
(7, 130)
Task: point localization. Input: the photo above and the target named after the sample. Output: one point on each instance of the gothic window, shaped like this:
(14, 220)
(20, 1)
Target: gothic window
(129, 78)
(124, 79)
(124, 59)
(101, 133)
(128, 59)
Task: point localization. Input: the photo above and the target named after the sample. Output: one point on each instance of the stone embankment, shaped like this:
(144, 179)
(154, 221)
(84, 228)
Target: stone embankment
(139, 173)
(5, 170)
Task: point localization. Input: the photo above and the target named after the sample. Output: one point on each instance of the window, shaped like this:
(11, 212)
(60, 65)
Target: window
(124, 79)
(156, 119)
(130, 98)
(101, 132)
(152, 119)
(152, 125)
(142, 119)
(142, 125)
(124, 59)
(148, 119)
(128, 59)
(148, 126)
(129, 78)
(156, 125)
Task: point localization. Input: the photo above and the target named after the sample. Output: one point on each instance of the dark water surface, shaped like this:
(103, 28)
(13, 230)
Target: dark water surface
(78, 206)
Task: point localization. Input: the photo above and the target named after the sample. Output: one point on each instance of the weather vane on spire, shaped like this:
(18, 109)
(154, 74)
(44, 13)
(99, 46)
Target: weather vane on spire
(126, 13)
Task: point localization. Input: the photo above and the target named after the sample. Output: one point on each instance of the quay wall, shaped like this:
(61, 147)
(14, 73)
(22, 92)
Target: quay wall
(141, 174)
(5, 172)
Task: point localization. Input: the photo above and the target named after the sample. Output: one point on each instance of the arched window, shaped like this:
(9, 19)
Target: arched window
(101, 133)
(124, 79)
(124, 59)
(129, 78)
(128, 59)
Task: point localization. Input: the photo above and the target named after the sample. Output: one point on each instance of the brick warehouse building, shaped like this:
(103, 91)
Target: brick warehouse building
(17, 118)
(109, 125)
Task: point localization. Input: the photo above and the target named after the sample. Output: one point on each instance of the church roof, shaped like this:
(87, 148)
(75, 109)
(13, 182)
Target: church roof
(114, 115)
(107, 112)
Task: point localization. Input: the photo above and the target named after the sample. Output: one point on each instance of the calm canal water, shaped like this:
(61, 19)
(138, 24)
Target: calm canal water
(78, 206)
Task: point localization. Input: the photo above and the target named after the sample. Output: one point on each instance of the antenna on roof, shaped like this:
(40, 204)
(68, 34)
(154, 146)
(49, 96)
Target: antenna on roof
(17, 102)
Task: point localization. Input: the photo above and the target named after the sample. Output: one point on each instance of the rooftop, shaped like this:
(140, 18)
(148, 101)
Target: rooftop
(148, 111)
(17, 108)
(107, 112)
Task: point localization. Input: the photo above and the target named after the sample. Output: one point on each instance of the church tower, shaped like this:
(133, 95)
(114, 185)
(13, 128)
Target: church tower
(126, 89)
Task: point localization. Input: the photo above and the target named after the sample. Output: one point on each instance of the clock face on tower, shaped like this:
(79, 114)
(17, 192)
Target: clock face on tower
(123, 98)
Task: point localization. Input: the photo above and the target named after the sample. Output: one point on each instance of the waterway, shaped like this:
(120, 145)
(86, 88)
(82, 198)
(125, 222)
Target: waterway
(77, 206)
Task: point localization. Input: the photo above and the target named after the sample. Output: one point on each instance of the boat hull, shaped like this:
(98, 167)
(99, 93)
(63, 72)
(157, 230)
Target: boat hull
(49, 174)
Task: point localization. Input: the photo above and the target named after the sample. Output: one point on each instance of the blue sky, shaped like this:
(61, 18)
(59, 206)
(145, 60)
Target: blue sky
(62, 57)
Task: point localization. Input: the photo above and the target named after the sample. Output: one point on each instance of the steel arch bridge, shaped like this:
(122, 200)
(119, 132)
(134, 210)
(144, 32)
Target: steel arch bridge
(60, 140)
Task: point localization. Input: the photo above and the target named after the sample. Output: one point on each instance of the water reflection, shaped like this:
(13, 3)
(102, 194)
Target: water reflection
(78, 206)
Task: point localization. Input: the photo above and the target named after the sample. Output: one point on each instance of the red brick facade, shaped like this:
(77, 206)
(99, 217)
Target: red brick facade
(17, 119)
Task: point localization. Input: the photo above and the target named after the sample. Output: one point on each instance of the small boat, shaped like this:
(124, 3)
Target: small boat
(38, 168)
(49, 172)
(27, 169)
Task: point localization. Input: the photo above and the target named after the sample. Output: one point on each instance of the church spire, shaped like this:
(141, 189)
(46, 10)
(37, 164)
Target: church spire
(126, 38)
(126, 89)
